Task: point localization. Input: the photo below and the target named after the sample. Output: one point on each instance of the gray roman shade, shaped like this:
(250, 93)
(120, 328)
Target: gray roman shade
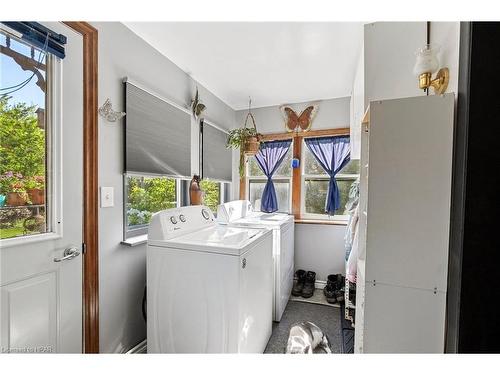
(217, 158)
(157, 135)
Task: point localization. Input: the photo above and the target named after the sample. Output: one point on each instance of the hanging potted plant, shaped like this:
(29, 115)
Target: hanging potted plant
(35, 189)
(247, 139)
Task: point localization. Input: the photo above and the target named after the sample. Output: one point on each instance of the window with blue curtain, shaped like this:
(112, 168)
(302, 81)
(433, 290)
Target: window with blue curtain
(270, 176)
(324, 158)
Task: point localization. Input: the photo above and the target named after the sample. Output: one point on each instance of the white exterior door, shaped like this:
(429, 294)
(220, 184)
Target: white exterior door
(40, 284)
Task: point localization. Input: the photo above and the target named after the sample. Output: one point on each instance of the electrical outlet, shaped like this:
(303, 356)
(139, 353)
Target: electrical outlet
(107, 197)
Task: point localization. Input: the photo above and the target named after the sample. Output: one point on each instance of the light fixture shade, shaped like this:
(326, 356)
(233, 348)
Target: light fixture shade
(427, 61)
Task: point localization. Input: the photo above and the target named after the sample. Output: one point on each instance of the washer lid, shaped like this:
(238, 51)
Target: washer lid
(217, 239)
(264, 220)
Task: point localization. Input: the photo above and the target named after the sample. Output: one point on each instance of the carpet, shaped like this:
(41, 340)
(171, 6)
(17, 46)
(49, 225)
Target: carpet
(325, 317)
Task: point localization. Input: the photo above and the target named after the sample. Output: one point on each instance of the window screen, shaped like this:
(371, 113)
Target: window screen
(217, 158)
(157, 135)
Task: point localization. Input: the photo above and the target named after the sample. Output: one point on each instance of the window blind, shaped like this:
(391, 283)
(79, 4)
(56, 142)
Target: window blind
(40, 36)
(157, 135)
(217, 158)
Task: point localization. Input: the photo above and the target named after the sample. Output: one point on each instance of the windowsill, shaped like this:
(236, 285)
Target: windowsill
(135, 241)
(321, 222)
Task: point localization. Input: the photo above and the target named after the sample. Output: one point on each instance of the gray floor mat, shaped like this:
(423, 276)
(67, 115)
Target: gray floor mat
(325, 317)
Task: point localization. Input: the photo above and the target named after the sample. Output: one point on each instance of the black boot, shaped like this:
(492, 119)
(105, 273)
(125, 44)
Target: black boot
(330, 288)
(308, 290)
(340, 290)
(352, 293)
(298, 283)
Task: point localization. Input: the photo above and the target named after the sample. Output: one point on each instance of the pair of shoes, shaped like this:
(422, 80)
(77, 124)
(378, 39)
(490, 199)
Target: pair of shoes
(334, 289)
(303, 284)
(352, 293)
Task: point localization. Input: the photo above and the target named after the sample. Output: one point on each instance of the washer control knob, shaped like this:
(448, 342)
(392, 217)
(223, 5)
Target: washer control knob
(173, 220)
(182, 218)
(205, 214)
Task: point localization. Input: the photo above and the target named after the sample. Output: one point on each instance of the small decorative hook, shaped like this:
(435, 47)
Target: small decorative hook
(107, 112)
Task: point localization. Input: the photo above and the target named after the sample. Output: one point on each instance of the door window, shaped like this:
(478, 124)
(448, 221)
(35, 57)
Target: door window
(25, 90)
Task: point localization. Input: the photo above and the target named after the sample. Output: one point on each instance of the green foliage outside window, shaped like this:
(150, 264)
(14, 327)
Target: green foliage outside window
(316, 189)
(147, 195)
(22, 141)
(211, 194)
(22, 163)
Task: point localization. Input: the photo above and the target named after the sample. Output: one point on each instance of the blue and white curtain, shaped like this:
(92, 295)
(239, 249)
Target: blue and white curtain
(269, 158)
(332, 153)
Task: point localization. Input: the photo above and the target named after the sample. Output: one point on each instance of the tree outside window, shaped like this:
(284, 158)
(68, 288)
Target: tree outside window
(23, 136)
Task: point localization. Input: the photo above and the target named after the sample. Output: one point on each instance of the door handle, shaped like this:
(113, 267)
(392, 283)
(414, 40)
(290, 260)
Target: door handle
(69, 253)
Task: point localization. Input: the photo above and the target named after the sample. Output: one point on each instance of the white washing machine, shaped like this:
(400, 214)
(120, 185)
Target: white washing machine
(240, 213)
(209, 287)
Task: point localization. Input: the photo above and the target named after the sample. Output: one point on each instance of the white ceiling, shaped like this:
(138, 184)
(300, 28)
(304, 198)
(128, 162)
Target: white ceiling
(274, 63)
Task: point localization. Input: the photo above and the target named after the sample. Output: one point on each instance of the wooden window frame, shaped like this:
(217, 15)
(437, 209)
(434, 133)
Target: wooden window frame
(297, 172)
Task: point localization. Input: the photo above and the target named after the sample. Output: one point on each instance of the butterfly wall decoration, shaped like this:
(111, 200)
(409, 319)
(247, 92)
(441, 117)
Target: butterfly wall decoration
(107, 112)
(297, 123)
(197, 107)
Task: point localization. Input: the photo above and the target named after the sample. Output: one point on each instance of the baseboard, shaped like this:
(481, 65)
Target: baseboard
(319, 284)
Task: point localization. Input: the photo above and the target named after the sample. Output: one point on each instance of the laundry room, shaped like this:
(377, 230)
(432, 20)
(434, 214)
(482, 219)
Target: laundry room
(236, 187)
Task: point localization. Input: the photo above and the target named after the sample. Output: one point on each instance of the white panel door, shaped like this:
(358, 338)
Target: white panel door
(41, 298)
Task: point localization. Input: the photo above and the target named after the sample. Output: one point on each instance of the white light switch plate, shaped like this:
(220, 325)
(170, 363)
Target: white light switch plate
(107, 196)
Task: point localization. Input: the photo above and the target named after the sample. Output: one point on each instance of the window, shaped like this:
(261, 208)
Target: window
(315, 183)
(282, 180)
(215, 193)
(309, 179)
(146, 195)
(25, 128)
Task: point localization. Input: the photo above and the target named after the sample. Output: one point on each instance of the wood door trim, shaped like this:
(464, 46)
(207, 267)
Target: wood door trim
(308, 134)
(296, 178)
(90, 186)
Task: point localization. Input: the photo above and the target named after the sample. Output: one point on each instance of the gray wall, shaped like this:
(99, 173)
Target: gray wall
(332, 113)
(122, 269)
(318, 248)
(389, 57)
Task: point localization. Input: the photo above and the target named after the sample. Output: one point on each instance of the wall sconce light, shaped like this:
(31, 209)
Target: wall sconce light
(427, 63)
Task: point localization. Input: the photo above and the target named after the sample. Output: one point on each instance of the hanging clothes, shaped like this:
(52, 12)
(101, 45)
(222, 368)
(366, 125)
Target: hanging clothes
(352, 262)
(351, 237)
(350, 208)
